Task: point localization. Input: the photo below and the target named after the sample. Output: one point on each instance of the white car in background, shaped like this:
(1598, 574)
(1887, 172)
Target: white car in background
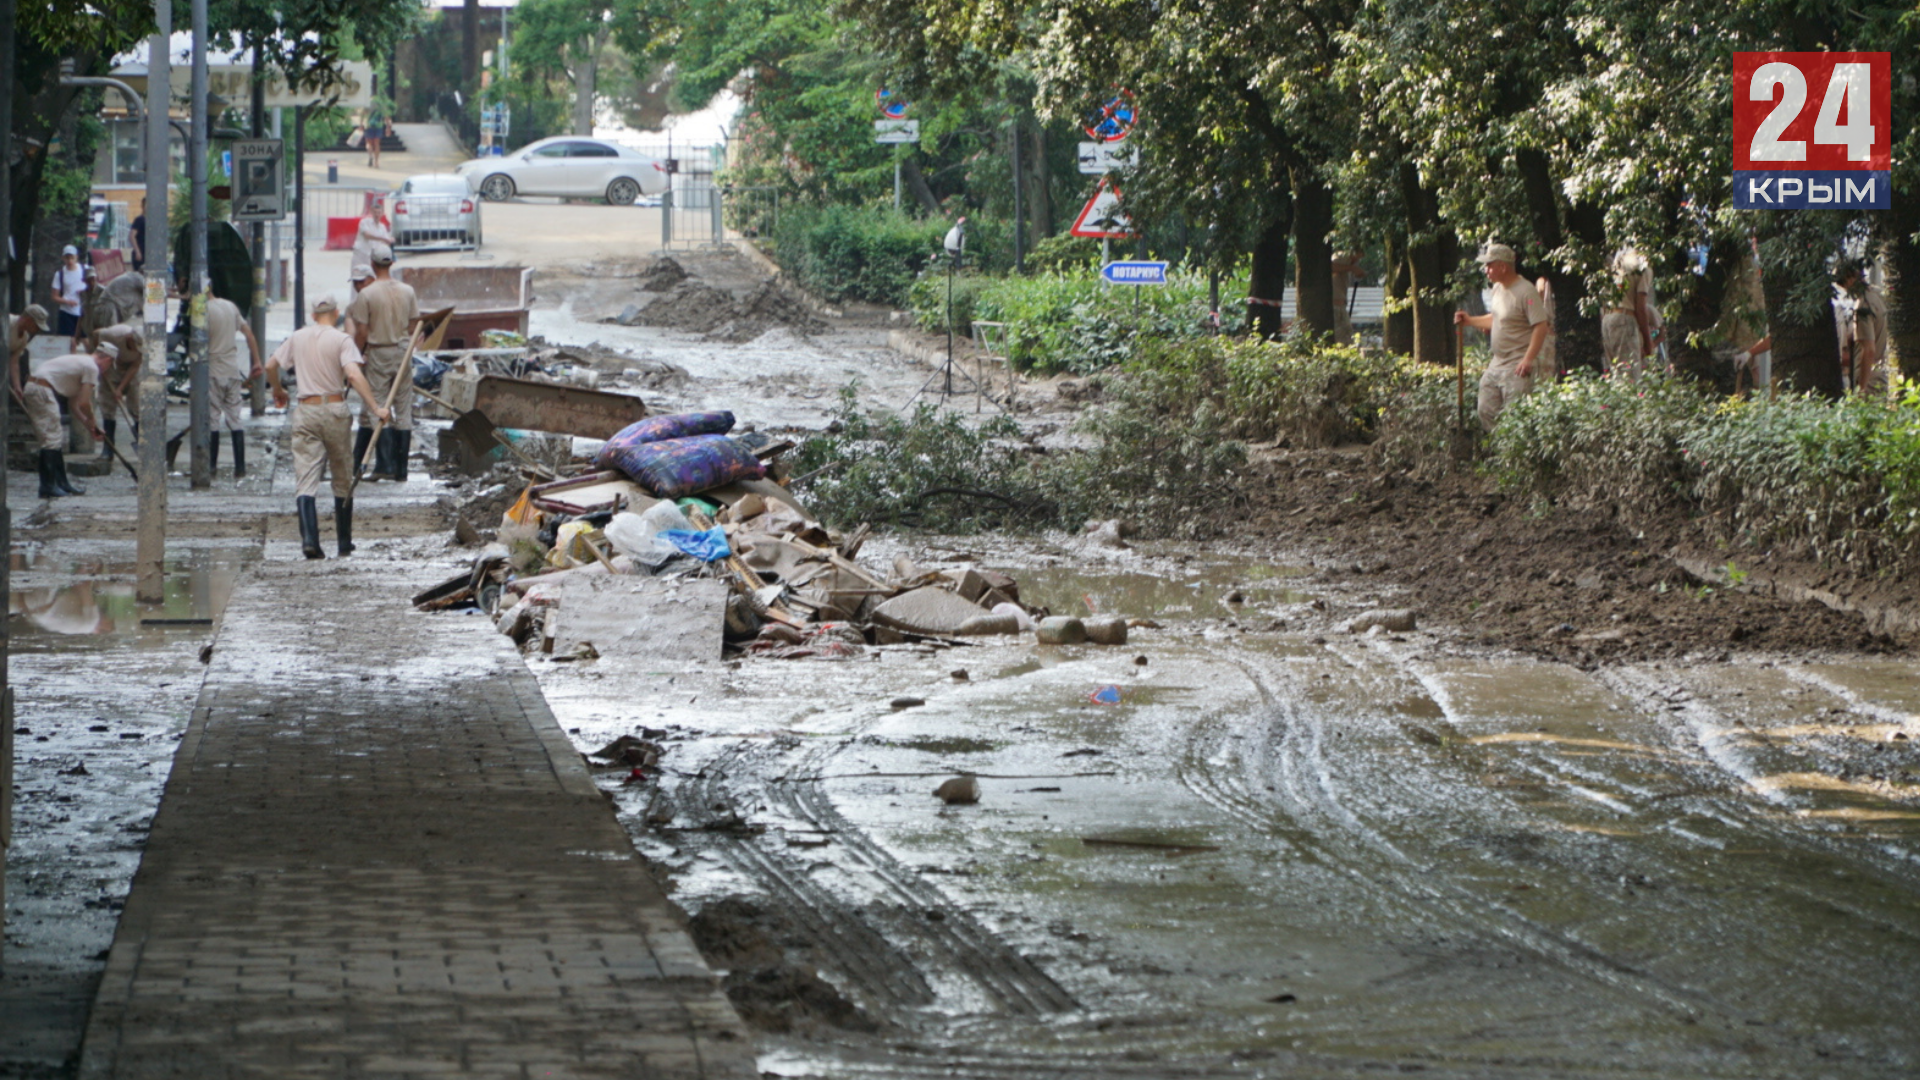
(435, 210)
(568, 166)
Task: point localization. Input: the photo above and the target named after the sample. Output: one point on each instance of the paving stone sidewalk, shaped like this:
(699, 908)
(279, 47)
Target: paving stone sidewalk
(379, 856)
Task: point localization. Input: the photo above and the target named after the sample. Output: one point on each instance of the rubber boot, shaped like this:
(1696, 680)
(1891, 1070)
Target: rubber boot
(361, 437)
(239, 454)
(397, 454)
(213, 453)
(49, 487)
(383, 456)
(343, 525)
(309, 527)
(106, 446)
(60, 474)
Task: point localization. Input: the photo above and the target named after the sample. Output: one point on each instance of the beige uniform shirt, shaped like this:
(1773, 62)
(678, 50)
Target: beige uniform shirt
(68, 374)
(1516, 309)
(1870, 322)
(317, 354)
(223, 325)
(385, 308)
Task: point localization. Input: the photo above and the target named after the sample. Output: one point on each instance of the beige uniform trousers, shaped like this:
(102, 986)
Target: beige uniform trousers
(110, 401)
(225, 396)
(1499, 388)
(1620, 339)
(383, 365)
(323, 440)
(43, 408)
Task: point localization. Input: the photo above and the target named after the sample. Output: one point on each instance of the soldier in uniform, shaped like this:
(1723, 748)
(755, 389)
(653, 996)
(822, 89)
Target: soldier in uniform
(1517, 326)
(1866, 372)
(74, 377)
(32, 321)
(384, 314)
(228, 380)
(121, 384)
(324, 362)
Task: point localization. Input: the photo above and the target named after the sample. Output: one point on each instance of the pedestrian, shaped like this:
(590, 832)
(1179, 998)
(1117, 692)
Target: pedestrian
(359, 276)
(137, 235)
(227, 380)
(1517, 327)
(324, 363)
(374, 229)
(69, 284)
(384, 315)
(1547, 365)
(1347, 273)
(74, 377)
(120, 386)
(25, 325)
(1626, 327)
(1869, 330)
(97, 310)
(376, 127)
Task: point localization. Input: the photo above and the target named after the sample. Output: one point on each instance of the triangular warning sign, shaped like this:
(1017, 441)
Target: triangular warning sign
(1102, 218)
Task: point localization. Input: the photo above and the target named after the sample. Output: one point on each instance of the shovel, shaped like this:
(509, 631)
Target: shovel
(403, 375)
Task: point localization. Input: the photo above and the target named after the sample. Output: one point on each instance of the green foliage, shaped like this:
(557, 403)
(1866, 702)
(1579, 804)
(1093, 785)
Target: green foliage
(1070, 321)
(929, 469)
(1599, 443)
(847, 253)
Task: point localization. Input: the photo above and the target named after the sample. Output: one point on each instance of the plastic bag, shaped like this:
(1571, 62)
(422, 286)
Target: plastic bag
(572, 546)
(672, 468)
(637, 536)
(709, 546)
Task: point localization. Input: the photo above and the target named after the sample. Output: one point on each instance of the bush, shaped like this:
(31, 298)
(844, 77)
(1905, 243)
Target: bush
(1070, 322)
(1598, 443)
(846, 253)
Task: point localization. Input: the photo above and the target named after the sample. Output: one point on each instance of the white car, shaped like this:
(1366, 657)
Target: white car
(435, 210)
(568, 165)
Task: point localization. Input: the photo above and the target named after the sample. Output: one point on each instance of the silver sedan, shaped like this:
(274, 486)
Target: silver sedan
(435, 210)
(571, 167)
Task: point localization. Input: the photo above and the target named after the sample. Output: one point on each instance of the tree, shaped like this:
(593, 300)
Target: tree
(568, 38)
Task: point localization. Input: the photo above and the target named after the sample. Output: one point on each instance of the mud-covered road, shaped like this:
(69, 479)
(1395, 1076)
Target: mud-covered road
(1287, 850)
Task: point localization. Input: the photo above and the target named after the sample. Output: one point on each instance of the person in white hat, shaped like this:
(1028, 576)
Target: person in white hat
(324, 362)
(1517, 326)
(74, 377)
(384, 315)
(1627, 326)
(69, 284)
(120, 387)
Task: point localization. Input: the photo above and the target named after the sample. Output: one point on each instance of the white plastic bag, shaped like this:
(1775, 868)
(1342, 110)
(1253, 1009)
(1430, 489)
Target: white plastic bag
(637, 535)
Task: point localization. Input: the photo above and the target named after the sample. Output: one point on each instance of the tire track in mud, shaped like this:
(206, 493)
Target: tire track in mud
(1303, 781)
(880, 947)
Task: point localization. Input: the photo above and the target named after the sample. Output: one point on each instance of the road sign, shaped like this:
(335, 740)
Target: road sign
(1812, 130)
(259, 189)
(1113, 120)
(1139, 272)
(1102, 218)
(890, 107)
(1100, 158)
(896, 131)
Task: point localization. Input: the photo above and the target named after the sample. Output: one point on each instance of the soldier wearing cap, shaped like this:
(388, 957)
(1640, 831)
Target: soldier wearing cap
(324, 362)
(120, 384)
(227, 380)
(1627, 326)
(74, 377)
(384, 314)
(32, 321)
(1517, 326)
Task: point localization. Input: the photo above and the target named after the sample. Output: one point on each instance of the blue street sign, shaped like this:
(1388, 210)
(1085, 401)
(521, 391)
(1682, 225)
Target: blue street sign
(1135, 273)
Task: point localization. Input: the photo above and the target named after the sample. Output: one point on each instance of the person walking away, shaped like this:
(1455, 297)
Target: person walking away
(1517, 327)
(1547, 366)
(374, 229)
(1869, 326)
(74, 377)
(1626, 328)
(137, 241)
(376, 127)
(324, 363)
(1347, 275)
(120, 386)
(383, 315)
(69, 284)
(228, 380)
(25, 325)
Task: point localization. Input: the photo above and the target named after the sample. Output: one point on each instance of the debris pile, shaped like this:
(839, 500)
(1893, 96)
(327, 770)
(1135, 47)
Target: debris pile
(695, 306)
(682, 541)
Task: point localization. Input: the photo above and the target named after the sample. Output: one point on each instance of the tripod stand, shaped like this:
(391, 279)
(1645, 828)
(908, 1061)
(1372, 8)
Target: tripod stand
(956, 250)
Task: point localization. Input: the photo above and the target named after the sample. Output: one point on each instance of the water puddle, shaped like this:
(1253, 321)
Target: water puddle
(63, 602)
(1209, 592)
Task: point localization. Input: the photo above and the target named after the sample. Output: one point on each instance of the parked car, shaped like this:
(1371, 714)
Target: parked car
(435, 210)
(570, 166)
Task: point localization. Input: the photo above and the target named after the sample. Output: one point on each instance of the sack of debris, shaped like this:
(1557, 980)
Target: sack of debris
(657, 428)
(672, 468)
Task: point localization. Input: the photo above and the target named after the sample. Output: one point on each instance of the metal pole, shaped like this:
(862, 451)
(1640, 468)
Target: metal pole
(299, 216)
(151, 528)
(1019, 215)
(6, 516)
(200, 403)
(257, 385)
(896, 182)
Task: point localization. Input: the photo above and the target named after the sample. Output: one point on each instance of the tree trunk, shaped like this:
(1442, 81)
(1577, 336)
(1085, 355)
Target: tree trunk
(1039, 197)
(1268, 282)
(1397, 334)
(470, 47)
(1312, 251)
(917, 183)
(1431, 251)
(37, 122)
(1903, 285)
(1806, 355)
(586, 76)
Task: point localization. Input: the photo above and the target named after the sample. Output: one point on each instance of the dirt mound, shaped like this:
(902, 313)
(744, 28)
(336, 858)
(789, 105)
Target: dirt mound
(691, 305)
(665, 273)
(771, 992)
(771, 305)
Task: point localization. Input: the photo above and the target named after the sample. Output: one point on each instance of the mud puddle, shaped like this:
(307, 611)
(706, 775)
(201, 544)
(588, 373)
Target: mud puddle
(1288, 850)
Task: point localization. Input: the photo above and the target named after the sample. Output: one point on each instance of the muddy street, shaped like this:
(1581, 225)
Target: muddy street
(1247, 842)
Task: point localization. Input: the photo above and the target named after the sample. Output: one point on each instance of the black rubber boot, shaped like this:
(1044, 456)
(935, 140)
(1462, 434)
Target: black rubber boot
(361, 437)
(106, 446)
(213, 452)
(239, 454)
(383, 456)
(60, 475)
(402, 447)
(343, 525)
(309, 527)
(49, 486)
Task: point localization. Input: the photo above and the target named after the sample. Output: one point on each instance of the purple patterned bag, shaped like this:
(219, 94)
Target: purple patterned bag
(672, 468)
(656, 428)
